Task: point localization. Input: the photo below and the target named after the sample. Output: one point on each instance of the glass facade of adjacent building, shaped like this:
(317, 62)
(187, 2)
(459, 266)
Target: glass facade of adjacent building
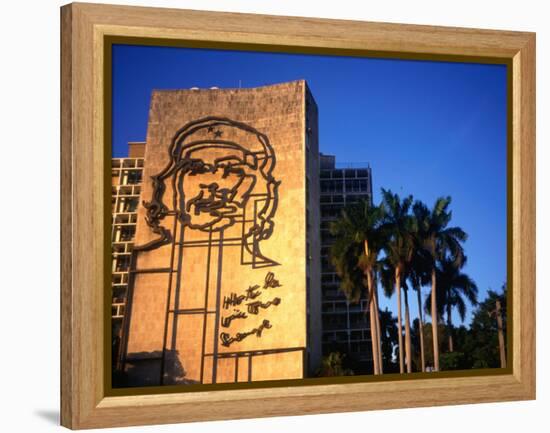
(126, 176)
(345, 325)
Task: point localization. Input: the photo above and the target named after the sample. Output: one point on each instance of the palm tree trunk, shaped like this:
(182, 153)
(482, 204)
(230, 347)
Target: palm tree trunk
(375, 340)
(378, 334)
(421, 330)
(399, 325)
(502, 350)
(407, 333)
(373, 334)
(435, 336)
(450, 328)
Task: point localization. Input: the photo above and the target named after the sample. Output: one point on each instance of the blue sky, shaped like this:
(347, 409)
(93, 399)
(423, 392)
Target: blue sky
(426, 128)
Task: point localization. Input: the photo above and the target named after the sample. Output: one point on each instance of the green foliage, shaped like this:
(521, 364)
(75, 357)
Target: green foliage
(388, 338)
(475, 347)
(398, 226)
(436, 240)
(453, 288)
(453, 361)
(358, 241)
(428, 343)
(333, 365)
(481, 344)
(372, 241)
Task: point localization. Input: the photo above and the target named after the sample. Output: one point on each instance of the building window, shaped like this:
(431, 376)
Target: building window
(133, 177)
(129, 205)
(122, 263)
(127, 233)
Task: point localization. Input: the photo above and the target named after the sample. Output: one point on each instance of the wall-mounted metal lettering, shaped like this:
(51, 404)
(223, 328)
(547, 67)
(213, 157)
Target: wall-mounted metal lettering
(252, 292)
(234, 300)
(226, 321)
(271, 282)
(254, 307)
(227, 340)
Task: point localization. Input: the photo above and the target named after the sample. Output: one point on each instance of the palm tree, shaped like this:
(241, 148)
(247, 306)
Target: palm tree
(388, 336)
(416, 277)
(389, 283)
(399, 249)
(453, 288)
(379, 331)
(354, 256)
(438, 242)
(419, 276)
(499, 303)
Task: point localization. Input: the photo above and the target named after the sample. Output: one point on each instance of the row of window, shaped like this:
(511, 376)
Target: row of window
(333, 294)
(343, 306)
(344, 173)
(127, 163)
(329, 278)
(330, 211)
(340, 321)
(117, 311)
(120, 279)
(122, 247)
(125, 204)
(126, 190)
(342, 336)
(121, 263)
(341, 200)
(360, 348)
(124, 233)
(127, 177)
(350, 185)
(119, 292)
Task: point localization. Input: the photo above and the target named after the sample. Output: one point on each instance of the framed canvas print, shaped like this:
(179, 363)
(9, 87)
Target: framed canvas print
(265, 215)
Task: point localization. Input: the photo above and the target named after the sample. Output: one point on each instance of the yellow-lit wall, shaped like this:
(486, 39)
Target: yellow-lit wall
(202, 276)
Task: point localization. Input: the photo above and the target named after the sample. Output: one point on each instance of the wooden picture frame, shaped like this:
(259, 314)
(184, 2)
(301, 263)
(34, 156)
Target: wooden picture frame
(84, 31)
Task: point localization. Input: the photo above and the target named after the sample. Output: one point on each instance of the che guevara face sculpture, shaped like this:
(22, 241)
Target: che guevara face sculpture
(221, 173)
(217, 185)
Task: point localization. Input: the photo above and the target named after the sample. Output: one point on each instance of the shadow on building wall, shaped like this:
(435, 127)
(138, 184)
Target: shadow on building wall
(144, 369)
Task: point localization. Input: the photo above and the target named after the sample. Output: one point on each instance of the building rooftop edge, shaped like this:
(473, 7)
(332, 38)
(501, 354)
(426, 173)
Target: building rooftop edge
(197, 89)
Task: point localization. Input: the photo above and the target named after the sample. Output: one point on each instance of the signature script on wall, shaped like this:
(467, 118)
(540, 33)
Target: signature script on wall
(254, 307)
(227, 339)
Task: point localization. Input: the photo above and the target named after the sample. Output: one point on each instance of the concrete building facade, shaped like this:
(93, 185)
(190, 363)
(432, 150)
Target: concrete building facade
(126, 175)
(223, 275)
(346, 326)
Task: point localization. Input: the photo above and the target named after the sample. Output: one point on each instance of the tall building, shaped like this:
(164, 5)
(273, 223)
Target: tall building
(345, 326)
(126, 175)
(220, 264)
